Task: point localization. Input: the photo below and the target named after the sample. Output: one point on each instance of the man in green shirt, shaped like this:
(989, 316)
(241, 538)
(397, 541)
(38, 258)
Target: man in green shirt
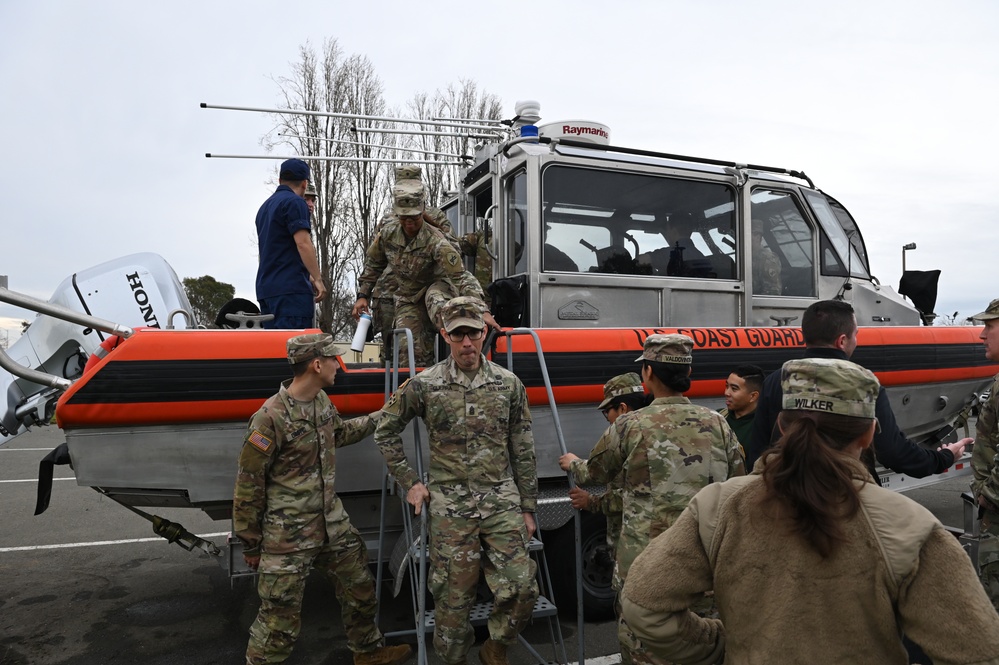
(742, 394)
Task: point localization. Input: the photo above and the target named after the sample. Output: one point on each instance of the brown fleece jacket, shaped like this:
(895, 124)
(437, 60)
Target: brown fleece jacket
(780, 602)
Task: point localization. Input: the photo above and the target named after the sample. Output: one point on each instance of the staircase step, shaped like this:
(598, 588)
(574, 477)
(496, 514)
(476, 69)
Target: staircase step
(481, 611)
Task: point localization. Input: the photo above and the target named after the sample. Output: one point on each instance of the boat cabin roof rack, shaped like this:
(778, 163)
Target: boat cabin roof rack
(586, 145)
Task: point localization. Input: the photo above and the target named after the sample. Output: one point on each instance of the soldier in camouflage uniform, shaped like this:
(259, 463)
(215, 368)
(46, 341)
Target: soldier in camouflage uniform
(288, 518)
(383, 292)
(421, 259)
(475, 245)
(667, 451)
(766, 265)
(985, 464)
(622, 394)
(310, 198)
(483, 484)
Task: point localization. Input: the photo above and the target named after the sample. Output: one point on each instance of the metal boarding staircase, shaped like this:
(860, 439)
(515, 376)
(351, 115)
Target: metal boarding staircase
(415, 532)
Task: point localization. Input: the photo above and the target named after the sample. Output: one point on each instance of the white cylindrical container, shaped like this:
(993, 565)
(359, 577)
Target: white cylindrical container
(361, 335)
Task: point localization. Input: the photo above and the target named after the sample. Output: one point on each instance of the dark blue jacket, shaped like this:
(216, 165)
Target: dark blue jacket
(281, 271)
(891, 447)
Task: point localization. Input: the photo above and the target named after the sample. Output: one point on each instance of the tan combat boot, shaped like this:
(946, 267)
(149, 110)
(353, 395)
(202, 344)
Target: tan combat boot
(493, 653)
(386, 655)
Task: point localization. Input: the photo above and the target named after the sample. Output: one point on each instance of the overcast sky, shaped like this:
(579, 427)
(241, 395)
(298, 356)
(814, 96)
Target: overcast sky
(888, 106)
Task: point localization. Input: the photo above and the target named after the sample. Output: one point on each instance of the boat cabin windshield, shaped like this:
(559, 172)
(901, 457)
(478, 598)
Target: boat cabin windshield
(598, 221)
(616, 222)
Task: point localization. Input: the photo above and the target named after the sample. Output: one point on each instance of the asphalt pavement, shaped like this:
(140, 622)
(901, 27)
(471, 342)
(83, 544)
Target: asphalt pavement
(87, 582)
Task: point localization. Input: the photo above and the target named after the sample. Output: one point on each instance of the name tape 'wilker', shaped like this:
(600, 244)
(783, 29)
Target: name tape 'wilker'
(812, 404)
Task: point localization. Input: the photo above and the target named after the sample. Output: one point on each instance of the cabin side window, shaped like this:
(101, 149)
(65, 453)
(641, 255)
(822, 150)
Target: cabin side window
(516, 222)
(614, 222)
(451, 211)
(783, 247)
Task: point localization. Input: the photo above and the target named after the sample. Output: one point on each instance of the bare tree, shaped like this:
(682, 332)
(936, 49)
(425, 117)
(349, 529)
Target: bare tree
(350, 194)
(463, 101)
(952, 320)
(352, 170)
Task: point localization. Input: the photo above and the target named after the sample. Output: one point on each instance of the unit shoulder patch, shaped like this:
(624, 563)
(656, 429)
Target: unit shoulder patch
(394, 399)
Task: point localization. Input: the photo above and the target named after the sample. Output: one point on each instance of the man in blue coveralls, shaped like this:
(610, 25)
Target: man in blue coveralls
(288, 278)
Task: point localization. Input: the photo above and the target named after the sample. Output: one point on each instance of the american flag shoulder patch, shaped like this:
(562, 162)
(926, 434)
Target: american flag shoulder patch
(260, 441)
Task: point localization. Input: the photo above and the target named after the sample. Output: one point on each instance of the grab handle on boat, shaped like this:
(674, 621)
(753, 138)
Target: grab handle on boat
(188, 319)
(64, 313)
(33, 375)
(59, 312)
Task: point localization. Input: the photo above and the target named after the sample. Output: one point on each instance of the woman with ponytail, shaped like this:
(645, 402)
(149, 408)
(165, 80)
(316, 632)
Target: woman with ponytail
(809, 560)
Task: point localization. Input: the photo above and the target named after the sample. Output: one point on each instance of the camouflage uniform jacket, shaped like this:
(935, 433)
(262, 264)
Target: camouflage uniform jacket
(668, 451)
(985, 456)
(481, 444)
(766, 273)
(416, 263)
(610, 502)
(474, 245)
(386, 285)
(284, 500)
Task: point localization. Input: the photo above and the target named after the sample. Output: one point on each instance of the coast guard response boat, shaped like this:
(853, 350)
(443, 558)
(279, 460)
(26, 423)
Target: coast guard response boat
(593, 246)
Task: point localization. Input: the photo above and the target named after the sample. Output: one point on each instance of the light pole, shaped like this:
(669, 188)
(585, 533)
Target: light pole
(907, 246)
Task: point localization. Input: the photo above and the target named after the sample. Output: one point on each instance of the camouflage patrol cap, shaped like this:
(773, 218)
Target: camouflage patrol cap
(829, 385)
(310, 189)
(991, 312)
(667, 349)
(408, 195)
(622, 384)
(408, 172)
(463, 311)
(309, 347)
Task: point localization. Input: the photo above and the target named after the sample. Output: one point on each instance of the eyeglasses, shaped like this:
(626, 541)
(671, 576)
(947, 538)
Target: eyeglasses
(607, 411)
(458, 336)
